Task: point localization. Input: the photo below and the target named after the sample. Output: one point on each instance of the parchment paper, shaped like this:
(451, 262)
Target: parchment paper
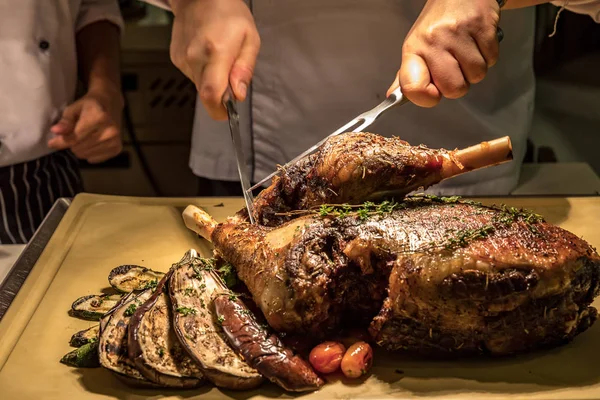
(99, 233)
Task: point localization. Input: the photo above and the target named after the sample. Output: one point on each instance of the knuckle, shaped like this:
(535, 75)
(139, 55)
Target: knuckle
(456, 90)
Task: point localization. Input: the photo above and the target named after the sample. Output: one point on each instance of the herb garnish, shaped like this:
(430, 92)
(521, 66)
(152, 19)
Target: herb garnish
(185, 311)
(130, 310)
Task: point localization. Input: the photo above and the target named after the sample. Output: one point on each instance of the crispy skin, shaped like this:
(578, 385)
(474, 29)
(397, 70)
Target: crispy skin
(262, 350)
(350, 168)
(521, 286)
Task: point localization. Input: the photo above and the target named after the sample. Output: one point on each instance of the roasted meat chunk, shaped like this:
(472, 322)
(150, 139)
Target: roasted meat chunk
(430, 275)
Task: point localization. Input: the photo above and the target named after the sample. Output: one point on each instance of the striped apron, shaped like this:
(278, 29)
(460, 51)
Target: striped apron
(28, 191)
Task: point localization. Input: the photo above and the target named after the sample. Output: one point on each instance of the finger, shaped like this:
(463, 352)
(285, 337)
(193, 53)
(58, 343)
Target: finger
(488, 45)
(471, 61)
(98, 138)
(446, 74)
(92, 119)
(243, 67)
(416, 83)
(215, 77)
(59, 143)
(101, 151)
(394, 85)
(104, 154)
(68, 119)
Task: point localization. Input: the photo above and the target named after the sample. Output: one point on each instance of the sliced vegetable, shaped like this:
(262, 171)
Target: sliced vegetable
(128, 278)
(154, 347)
(112, 348)
(93, 307)
(85, 336)
(261, 349)
(85, 356)
(192, 289)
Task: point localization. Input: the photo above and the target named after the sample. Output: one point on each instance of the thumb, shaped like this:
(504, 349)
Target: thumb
(415, 80)
(394, 85)
(66, 124)
(243, 67)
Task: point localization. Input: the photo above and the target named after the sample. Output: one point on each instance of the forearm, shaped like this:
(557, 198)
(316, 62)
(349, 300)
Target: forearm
(98, 47)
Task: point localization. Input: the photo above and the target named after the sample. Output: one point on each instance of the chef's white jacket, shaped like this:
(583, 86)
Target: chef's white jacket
(38, 68)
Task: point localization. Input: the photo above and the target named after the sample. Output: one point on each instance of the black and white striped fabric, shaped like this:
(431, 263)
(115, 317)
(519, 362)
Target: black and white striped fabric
(28, 191)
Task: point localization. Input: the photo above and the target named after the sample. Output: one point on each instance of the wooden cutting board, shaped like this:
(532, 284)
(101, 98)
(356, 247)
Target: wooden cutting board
(101, 232)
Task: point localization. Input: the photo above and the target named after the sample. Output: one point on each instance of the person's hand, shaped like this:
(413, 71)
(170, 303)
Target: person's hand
(450, 46)
(215, 43)
(90, 127)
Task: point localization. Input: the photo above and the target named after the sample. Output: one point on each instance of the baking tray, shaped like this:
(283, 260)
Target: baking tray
(98, 233)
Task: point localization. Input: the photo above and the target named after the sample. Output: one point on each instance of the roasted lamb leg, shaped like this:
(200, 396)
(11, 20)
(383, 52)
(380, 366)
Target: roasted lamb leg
(430, 275)
(356, 167)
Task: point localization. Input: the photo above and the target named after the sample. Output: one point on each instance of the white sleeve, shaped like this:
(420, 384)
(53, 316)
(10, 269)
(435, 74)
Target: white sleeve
(166, 4)
(589, 7)
(98, 10)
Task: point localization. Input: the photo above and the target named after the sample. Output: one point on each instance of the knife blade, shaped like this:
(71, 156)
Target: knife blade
(234, 129)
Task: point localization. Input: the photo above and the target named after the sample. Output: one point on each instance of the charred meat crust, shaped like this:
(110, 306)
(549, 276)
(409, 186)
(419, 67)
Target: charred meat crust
(175, 368)
(192, 289)
(128, 278)
(349, 168)
(262, 350)
(443, 262)
(536, 323)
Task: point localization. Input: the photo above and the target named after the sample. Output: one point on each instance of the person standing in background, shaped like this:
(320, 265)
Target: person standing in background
(43, 128)
(321, 62)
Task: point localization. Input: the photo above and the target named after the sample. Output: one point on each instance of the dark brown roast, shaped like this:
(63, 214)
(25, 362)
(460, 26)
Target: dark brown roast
(154, 347)
(262, 350)
(355, 167)
(434, 276)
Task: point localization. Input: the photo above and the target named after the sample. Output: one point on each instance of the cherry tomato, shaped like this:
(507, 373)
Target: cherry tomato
(358, 360)
(327, 357)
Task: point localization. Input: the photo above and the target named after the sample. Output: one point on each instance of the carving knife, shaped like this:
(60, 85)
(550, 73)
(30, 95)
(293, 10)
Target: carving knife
(234, 128)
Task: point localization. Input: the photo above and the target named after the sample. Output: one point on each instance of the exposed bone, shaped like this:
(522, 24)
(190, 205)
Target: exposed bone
(482, 155)
(199, 221)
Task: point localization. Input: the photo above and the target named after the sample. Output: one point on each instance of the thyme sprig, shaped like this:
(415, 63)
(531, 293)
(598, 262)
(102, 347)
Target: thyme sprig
(506, 215)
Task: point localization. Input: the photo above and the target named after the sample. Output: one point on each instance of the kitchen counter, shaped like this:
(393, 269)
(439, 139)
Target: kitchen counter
(552, 179)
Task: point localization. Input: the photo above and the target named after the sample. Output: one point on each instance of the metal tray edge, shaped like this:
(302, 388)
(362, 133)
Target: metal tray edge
(32, 252)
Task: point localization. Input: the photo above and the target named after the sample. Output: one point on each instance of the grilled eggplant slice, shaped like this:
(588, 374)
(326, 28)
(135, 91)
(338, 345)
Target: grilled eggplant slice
(112, 348)
(93, 307)
(154, 347)
(262, 350)
(85, 356)
(85, 336)
(192, 289)
(128, 278)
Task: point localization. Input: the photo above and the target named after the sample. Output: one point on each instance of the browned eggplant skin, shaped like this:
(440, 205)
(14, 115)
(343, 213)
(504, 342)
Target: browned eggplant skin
(136, 352)
(263, 351)
(119, 347)
(218, 378)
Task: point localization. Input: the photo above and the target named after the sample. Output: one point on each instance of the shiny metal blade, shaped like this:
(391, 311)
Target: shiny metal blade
(234, 128)
(358, 124)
